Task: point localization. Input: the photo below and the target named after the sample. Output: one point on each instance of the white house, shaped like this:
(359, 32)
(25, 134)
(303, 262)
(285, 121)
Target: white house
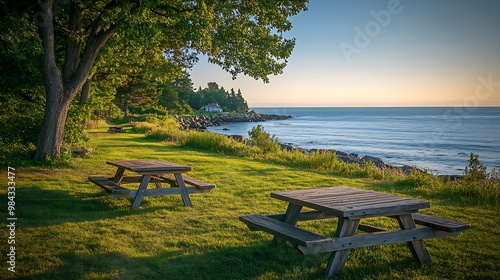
(212, 107)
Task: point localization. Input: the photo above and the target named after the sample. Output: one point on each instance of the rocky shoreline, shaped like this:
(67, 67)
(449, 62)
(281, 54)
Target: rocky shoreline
(355, 158)
(201, 122)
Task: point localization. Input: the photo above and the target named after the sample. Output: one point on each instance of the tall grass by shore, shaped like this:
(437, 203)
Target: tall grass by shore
(484, 190)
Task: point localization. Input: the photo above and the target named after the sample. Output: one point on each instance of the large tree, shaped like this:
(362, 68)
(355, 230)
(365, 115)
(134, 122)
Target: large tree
(239, 36)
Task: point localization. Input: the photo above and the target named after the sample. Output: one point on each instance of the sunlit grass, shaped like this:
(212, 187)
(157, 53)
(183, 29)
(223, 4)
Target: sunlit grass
(69, 228)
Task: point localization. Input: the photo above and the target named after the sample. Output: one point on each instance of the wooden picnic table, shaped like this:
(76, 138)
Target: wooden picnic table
(350, 205)
(151, 171)
(113, 129)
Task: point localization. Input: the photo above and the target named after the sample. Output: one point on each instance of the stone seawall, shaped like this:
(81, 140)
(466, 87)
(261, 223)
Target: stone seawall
(201, 122)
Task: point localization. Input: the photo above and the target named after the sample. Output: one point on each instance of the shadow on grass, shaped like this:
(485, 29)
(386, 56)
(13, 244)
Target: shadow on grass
(267, 261)
(40, 207)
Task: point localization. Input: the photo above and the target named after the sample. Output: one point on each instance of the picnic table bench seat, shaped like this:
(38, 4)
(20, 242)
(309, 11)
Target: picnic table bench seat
(420, 219)
(108, 185)
(200, 185)
(439, 223)
(285, 231)
(308, 242)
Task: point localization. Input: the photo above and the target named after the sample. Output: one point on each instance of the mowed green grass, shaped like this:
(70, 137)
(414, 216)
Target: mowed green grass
(68, 228)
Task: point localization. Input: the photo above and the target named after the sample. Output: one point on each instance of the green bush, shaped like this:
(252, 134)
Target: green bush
(418, 178)
(74, 134)
(150, 110)
(20, 121)
(475, 171)
(16, 154)
(264, 140)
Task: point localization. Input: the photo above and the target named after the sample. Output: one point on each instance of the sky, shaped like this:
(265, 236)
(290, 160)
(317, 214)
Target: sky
(381, 53)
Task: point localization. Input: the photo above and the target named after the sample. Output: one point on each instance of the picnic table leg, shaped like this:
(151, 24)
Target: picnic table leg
(416, 247)
(291, 217)
(118, 175)
(140, 191)
(337, 259)
(184, 193)
(158, 184)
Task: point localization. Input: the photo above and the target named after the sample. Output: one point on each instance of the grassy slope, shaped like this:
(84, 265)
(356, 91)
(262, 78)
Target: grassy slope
(70, 229)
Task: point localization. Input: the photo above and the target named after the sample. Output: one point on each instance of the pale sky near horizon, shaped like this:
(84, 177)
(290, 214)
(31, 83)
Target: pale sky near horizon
(382, 53)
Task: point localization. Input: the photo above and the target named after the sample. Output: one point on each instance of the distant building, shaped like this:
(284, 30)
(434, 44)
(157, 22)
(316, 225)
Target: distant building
(212, 107)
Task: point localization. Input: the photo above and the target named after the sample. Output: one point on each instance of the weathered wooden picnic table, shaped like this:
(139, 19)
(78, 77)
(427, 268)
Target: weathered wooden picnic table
(350, 205)
(151, 171)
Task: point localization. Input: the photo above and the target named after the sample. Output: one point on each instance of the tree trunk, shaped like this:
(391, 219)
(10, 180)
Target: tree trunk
(125, 109)
(85, 94)
(51, 135)
(84, 97)
(50, 138)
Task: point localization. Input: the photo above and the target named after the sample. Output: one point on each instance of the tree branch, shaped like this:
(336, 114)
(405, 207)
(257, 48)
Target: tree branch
(73, 45)
(44, 21)
(94, 43)
(95, 40)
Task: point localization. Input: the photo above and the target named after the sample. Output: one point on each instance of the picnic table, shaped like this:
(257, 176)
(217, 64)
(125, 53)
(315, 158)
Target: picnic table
(151, 171)
(114, 129)
(350, 206)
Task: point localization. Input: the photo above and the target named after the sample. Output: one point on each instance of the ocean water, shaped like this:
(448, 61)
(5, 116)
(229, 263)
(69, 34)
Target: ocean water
(437, 139)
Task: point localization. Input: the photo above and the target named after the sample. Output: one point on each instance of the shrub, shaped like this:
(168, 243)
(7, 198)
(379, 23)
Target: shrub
(74, 134)
(169, 123)
(264, 140)
(475, 171)
(16, 154)
(150, 110)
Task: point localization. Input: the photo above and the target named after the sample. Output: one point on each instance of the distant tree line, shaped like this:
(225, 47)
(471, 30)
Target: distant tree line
(176, 97)
(229, 101)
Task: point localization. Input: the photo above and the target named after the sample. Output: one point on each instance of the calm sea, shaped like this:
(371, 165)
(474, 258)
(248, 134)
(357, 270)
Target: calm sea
(437, 139)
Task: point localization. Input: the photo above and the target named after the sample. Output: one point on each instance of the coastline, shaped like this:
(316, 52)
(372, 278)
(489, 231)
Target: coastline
(202, 122)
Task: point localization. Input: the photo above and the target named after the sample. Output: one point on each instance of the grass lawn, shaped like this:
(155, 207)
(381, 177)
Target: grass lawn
(68, 228)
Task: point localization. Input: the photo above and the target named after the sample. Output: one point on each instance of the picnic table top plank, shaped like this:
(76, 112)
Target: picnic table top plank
(149, 165)
(350, 202)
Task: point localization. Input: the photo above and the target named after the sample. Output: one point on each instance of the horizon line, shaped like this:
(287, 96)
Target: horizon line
(354, 106)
